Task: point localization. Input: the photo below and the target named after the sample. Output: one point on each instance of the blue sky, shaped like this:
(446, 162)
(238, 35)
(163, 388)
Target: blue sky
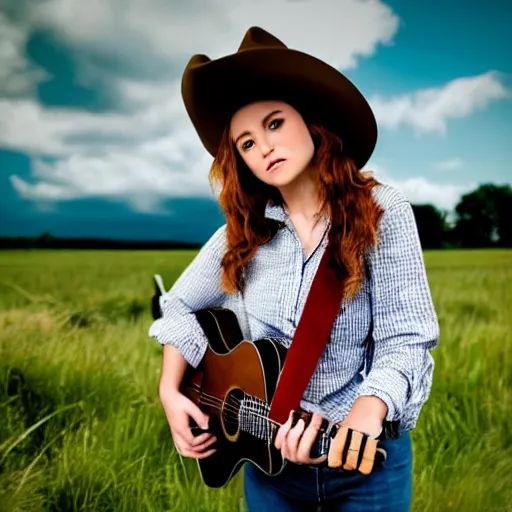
(94, 140)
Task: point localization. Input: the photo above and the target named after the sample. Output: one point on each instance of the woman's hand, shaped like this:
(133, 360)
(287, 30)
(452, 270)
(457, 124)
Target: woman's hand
(179, 409)
(367, 415)
(295, 443)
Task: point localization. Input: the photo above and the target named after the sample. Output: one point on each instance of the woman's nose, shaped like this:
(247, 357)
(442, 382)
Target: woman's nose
(266, 148)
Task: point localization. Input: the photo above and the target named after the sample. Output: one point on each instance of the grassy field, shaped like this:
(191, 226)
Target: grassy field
(81, 427)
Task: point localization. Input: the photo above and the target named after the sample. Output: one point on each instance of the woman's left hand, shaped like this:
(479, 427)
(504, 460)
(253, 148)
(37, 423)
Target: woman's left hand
(365, 417)
(295, 443)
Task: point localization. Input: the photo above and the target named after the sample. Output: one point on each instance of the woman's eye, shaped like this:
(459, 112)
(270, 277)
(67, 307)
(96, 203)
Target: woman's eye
(275, 123)
(247, 145)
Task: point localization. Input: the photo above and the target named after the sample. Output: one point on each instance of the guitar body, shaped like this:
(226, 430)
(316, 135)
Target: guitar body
(234, 385)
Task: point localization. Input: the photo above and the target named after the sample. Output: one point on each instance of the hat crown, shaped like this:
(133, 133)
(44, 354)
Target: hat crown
(256, 39)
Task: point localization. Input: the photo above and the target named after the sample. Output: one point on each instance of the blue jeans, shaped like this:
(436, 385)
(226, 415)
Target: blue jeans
(307, 488)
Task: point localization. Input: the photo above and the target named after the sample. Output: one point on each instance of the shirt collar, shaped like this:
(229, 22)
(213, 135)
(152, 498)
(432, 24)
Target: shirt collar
(277, 212)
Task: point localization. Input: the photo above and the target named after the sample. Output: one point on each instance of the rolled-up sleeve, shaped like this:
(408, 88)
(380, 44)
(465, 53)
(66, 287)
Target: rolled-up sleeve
(198, 287)
(405, 325)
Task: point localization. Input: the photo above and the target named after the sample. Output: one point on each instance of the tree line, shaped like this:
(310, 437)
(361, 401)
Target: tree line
(482, 218)
(48, 241)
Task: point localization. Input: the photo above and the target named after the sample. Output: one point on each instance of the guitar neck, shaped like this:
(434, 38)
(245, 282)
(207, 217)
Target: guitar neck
(254, 419)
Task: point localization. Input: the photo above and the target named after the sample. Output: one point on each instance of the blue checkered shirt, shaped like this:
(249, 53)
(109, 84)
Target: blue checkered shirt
(394, 306)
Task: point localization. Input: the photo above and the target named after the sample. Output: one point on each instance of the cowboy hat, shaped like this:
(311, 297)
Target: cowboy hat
(265, 68)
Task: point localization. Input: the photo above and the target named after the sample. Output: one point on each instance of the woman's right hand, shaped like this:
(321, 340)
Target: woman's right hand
(179, 409)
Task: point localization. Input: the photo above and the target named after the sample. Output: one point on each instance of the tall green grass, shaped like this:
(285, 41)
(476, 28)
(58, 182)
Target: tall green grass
(81, 426)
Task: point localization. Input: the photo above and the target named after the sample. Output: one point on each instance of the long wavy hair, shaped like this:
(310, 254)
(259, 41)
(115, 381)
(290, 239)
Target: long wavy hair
(344, 193)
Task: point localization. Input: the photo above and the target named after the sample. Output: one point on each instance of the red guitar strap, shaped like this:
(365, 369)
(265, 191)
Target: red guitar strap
(322, 306)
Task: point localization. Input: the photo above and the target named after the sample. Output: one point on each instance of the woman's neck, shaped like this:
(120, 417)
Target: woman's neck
(300, 198)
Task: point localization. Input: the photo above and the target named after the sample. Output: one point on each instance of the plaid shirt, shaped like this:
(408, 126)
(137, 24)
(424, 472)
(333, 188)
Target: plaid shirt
(394, 306)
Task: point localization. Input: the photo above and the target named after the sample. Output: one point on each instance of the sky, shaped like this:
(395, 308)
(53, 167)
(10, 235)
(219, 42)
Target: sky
(95, 140)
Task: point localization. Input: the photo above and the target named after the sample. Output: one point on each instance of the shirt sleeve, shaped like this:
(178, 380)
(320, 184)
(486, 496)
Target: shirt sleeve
(198, 287)
(405, 325)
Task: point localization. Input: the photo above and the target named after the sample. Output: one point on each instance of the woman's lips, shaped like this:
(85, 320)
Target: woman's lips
(275, 164)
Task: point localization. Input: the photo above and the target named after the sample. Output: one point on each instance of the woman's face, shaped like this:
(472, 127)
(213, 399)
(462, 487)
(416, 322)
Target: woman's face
(273, 140)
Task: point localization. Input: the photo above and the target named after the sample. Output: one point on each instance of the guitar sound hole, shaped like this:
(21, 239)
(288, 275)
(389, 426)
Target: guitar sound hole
(230, 411)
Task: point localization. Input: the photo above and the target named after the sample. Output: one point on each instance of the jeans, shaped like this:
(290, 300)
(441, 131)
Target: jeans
(305, 488)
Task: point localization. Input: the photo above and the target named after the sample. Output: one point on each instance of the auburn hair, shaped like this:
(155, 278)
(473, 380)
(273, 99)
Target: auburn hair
(344, 193)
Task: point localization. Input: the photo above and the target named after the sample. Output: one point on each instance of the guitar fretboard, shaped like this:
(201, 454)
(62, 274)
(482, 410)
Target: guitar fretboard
(253, 418)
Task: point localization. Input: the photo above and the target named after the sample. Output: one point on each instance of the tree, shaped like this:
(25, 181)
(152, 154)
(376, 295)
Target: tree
(484, 217)
(431, 224)
(44, 241)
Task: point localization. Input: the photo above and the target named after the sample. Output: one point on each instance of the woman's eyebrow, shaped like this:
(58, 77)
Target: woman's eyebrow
(263, 123)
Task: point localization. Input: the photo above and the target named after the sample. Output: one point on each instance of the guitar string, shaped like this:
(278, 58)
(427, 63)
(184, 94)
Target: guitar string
(250, 401)
(234, 419)
(268, 420)
(216, 404)
(237, 400)
(251, 413)
(234, 410)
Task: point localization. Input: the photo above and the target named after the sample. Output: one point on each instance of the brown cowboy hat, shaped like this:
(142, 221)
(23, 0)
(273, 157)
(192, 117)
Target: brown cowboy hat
(264, 68)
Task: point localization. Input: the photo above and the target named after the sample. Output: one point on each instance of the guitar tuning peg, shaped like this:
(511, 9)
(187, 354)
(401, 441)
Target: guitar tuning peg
(159, 284)
(155, 299)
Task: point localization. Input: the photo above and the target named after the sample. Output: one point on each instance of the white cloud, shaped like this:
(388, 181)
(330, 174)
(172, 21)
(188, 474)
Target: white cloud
(421, 190)
(28, 126)
(429, 110)
(17, 76)
(336, 31)
(143, 177)
(449, 165)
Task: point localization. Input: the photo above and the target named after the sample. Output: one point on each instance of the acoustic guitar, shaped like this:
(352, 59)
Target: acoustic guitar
(234, 385)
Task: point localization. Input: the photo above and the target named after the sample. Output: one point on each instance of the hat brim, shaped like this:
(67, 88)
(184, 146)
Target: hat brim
(213, 91)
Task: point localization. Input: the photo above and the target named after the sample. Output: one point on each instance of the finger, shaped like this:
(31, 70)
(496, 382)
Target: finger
(353, 451)
(180, 443)
(197, 415)
(196, 441)
(185, 444)
(206, 454)
(293, 438)
(202, 447)
(284, 452)
(308, 438)
(283, 432)
(337, 446)
(184, 433)
(195, 455)
(318, 460)
(183, 447)
(368, 459)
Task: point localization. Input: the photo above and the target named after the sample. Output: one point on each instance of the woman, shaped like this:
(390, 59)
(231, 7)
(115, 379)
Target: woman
(290, 135)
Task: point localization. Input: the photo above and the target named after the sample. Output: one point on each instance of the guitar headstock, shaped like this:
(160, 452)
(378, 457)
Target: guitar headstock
(159, 290)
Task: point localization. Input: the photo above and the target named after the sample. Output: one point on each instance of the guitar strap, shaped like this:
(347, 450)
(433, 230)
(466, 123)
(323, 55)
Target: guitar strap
(312, 334)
